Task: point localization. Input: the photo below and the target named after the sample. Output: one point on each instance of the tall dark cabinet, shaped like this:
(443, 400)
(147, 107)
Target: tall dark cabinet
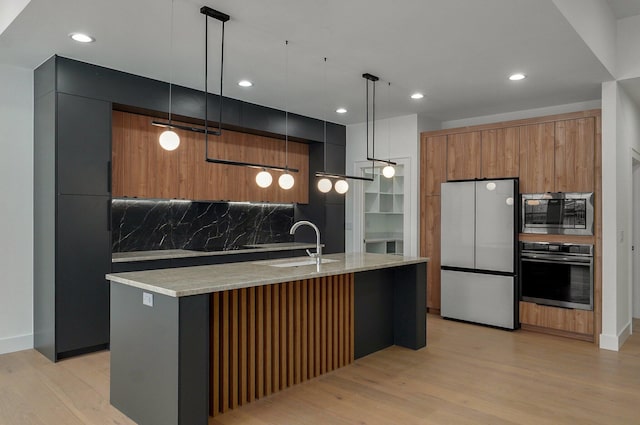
(72, 198)
(72, 237)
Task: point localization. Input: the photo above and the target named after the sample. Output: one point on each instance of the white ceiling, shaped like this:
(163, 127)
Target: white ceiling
(458, 52)
(624, 8)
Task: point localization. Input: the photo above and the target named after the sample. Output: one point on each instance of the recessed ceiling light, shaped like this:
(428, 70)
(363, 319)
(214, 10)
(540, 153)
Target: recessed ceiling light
(81, 38)
(417, 96)
(517, 77)
(245, 83)
(341, 110)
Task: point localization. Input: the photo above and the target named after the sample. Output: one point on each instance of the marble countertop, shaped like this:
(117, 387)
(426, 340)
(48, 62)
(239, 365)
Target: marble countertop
(185, 281)
(164, 254)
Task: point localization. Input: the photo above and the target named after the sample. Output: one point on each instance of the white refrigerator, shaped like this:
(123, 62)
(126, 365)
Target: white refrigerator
(479, 252)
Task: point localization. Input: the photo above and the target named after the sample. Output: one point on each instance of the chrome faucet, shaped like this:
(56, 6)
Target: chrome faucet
(318, 254)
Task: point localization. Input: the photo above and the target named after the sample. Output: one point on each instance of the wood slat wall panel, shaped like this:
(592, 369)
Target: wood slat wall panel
(142, 169)
(267, 339)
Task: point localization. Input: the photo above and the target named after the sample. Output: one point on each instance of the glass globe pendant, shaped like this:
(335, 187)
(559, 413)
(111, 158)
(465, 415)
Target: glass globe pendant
(324, 185)
(388, 171)
(264, 179)
(286, 181)
(341, 186)
(169, 140)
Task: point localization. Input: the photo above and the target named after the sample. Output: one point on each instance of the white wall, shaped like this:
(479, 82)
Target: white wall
(16, 190)
(395, 138)
(628, 47)
(635, 310)
(620, 138)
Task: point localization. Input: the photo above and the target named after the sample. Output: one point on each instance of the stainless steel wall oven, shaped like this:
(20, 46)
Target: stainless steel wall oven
(557, 274)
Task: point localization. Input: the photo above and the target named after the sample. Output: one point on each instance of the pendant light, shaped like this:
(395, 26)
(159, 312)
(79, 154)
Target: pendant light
(169, 139)
(388, 171)
(324, 184)
(286, 180)
(264, 179)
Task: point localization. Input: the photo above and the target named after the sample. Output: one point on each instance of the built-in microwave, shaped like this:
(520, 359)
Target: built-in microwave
(557, 213)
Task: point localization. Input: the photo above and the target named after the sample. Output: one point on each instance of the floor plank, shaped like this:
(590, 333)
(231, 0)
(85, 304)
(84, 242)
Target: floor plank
(467, 375)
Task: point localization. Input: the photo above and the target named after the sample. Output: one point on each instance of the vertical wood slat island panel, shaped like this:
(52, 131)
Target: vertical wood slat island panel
(266, 339)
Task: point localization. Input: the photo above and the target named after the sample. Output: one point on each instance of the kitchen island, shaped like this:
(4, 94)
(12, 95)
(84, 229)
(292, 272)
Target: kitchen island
(191, 342)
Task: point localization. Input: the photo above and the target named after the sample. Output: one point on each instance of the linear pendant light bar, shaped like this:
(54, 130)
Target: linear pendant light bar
(222, 17)
(183, 127)
(341, 176)
(373, 79)
(324, 173)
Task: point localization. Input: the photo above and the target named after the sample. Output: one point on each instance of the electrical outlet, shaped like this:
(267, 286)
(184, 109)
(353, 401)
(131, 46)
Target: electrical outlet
(147, 299)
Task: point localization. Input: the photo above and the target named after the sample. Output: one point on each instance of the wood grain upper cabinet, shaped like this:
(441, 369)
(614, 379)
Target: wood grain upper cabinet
(433, 160)
(463, 156)
(575, 155)
(142, 169)
(537, 158)
(500, 153)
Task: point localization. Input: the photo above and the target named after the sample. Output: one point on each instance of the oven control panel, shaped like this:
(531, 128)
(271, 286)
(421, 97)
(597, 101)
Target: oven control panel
(557, 248)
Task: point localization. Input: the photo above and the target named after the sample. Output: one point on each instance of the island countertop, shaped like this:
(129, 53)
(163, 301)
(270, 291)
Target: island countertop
(185, 281)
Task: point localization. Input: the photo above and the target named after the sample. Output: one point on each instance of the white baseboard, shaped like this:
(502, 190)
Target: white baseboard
(614, 342)
(624, 334)
(16, 343)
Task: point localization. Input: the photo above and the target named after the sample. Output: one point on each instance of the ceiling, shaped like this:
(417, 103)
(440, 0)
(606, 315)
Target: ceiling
(459, 53)
(624, 8)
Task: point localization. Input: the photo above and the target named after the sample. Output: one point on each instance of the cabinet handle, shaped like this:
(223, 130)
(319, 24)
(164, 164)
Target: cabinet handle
(109, 176)
(109, 215)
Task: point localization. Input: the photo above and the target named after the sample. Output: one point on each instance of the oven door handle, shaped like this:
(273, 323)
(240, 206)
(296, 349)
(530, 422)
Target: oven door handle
(557, 260)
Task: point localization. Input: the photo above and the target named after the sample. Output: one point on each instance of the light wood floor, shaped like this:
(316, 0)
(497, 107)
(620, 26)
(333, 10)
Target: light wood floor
(467, 375)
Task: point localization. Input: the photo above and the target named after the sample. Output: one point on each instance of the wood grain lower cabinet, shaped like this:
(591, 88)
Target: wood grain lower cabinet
(142, 169)
(560, 321)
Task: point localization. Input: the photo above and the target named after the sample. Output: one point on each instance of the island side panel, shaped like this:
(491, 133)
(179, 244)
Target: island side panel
(410, 306)
(194, 360)
(159, 357)
(373, 311)
(390, 308)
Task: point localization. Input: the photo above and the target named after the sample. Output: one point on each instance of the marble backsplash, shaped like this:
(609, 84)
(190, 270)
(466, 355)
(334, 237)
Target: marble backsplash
(144, 225)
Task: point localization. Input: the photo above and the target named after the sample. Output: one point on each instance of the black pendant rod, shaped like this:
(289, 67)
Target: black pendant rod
(222, 17)
(372, 158)
(341, 176)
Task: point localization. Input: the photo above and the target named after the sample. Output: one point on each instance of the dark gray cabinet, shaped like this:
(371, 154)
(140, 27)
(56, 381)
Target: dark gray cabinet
(72, 237)
(82, 293)
(83, 145)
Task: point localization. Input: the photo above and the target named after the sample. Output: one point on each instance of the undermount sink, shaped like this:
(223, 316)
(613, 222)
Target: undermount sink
(298, 262)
